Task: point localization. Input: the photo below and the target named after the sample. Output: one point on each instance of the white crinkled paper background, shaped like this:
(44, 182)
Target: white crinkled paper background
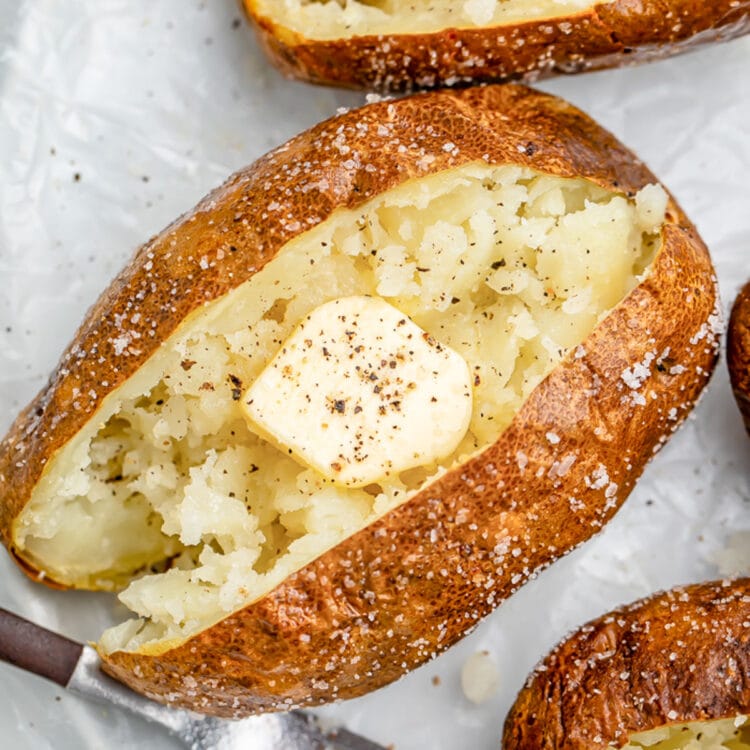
(118, 115)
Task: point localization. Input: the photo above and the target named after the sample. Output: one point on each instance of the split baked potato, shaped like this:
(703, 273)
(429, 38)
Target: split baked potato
(395, 45)
(669, 672)
(738, 352)
(327, 421)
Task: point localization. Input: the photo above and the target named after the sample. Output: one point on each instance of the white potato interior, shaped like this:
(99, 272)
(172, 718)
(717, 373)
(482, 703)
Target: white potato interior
(699, 735)
(169, 486)
(337, 19)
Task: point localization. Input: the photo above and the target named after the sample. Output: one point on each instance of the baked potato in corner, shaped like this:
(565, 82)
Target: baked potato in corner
(327, 421)
(738, 352)
(392, 45)
(668, 672)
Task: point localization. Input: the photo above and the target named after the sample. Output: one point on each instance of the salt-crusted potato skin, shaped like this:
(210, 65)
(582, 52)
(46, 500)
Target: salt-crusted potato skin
(677, 657)
(738, 352)
(408, 586)
(607, 35)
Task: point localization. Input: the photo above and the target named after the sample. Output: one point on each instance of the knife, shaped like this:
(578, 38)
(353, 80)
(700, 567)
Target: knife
(75, 666)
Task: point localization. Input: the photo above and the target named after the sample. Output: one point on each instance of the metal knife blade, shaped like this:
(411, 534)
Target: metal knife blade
(77, 668)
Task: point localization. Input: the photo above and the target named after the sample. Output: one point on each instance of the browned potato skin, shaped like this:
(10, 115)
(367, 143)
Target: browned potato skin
(408, 586)
(677, 657)
(738, 352)
(607, 35)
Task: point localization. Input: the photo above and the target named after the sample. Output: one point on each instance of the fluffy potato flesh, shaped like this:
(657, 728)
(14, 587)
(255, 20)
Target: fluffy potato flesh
(336, 19)
(170, 490)
(699, 735)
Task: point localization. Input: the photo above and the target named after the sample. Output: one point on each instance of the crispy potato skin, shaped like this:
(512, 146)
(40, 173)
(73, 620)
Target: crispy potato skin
(607, 35)
(738, 352)
(677, 657)
(408, 586)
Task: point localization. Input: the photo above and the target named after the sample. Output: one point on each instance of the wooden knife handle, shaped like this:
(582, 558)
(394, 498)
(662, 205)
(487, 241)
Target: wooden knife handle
(37, 649)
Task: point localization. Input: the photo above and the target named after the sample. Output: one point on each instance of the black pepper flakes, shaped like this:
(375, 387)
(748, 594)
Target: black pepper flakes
(236, 387)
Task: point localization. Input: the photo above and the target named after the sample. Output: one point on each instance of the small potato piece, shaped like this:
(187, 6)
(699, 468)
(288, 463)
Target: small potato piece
(392, 45)
(479, 677)
(738, 352)
(668, 672)
(258, 584)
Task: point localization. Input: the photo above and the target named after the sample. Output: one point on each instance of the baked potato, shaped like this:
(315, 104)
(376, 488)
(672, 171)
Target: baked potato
(671, 671)
(738, 352)
(328, 420)
(393, 45)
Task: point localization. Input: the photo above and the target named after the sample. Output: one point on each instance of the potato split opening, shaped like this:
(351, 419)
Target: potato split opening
(168, 487)
(733, 733)
(341, 19)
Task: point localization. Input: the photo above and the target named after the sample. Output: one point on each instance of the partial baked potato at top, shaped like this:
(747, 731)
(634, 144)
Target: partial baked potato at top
(394, 45)
(738, 352)
(669, 672)
(327, 421)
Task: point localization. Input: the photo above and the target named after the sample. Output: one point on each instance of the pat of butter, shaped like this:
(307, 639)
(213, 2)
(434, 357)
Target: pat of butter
(359, 393)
